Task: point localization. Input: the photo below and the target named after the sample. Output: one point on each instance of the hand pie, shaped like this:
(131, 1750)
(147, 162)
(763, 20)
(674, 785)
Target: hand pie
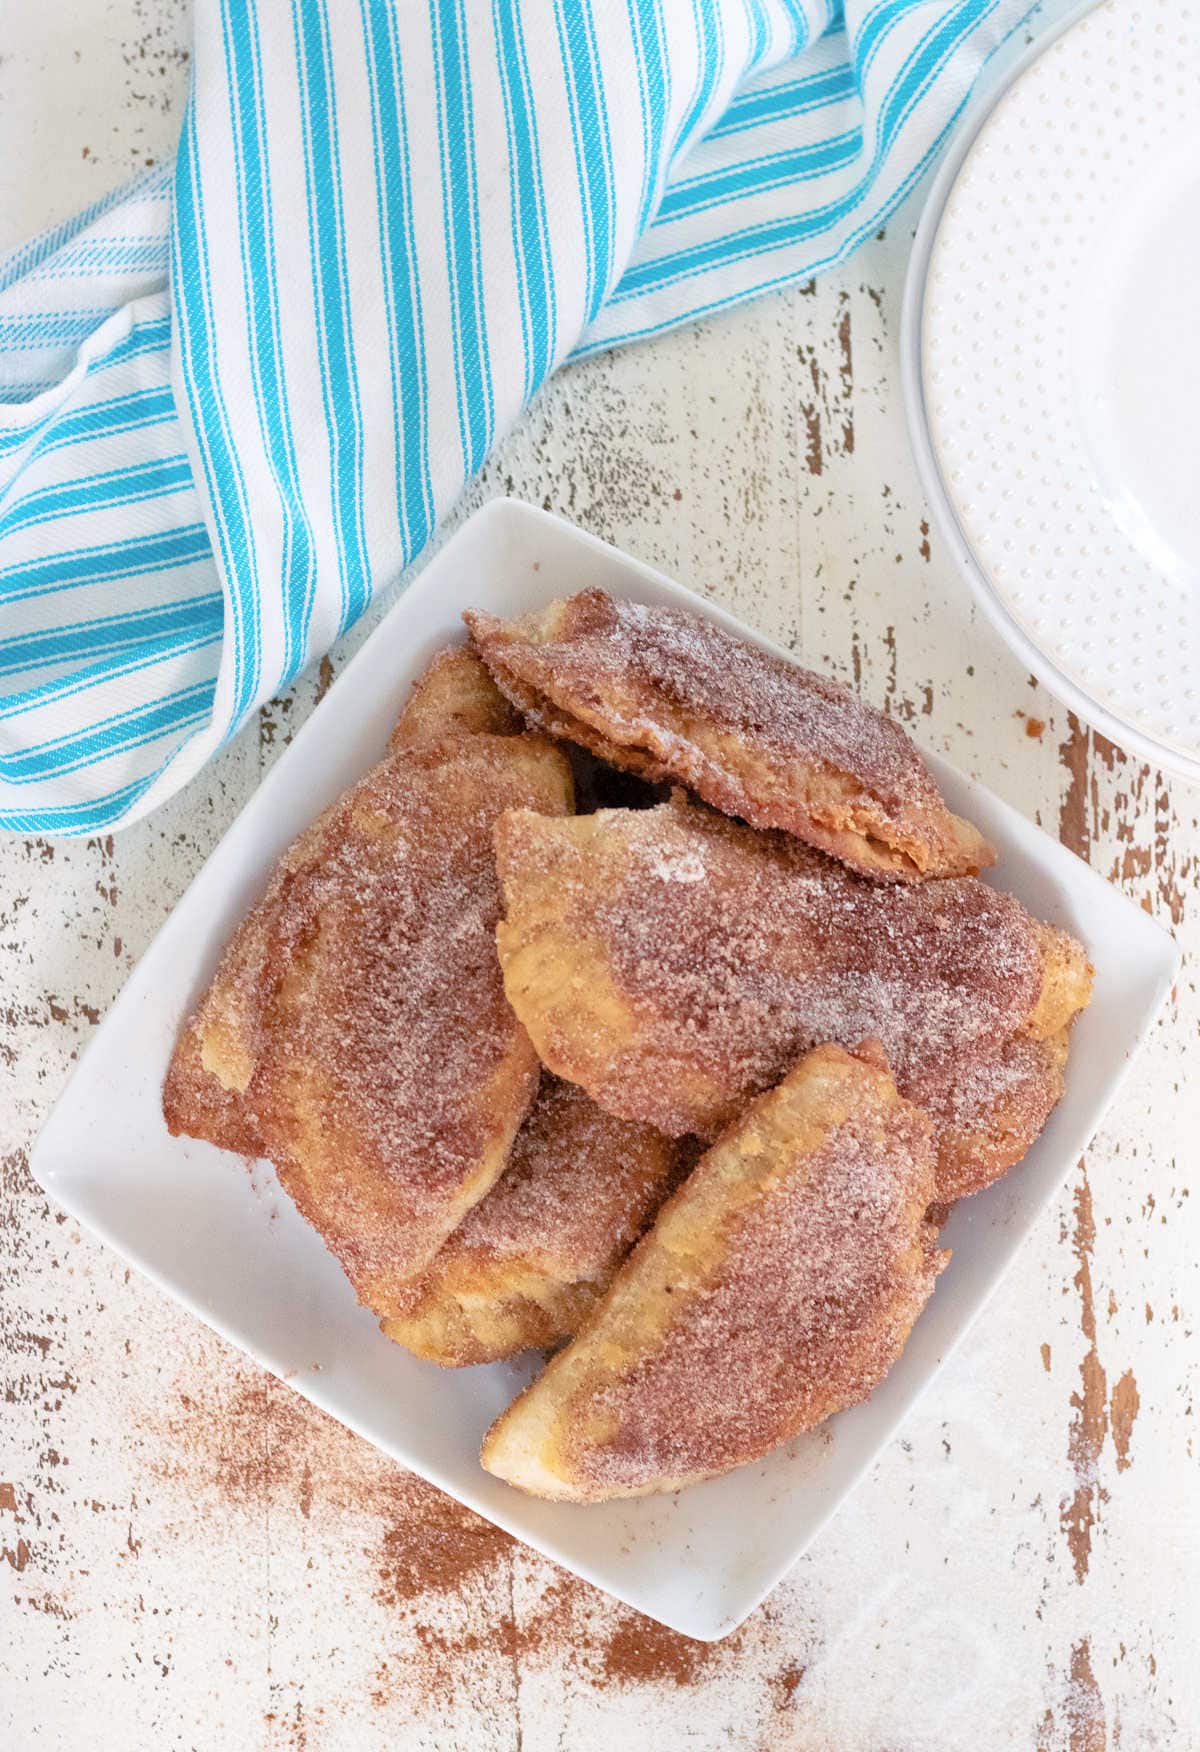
(777, 1287)
(672, 696)
(356, 1031)
(988, 1106)
(675, 963)
(527, 1263)
(454, 695)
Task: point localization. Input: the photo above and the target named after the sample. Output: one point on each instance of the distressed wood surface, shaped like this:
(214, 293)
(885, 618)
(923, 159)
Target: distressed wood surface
(191, 1556)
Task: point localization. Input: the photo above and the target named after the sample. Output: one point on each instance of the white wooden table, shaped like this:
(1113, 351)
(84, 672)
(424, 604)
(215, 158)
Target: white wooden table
(194, 1558)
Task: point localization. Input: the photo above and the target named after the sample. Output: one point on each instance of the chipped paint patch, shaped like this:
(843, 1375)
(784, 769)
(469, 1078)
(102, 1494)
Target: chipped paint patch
(1125, 1405)
(1083, 1705)
(1089, 1422)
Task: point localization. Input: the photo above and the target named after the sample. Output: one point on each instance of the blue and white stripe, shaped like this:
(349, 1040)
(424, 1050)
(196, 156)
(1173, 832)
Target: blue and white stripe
(237, 395)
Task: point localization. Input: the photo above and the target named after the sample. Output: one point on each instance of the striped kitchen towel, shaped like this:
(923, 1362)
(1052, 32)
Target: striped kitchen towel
(237, 395)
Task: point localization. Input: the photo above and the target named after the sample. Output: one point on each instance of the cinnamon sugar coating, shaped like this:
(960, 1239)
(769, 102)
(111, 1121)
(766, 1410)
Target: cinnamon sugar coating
(674, 696)
(867, 1031)
(676, 963)
(777, 1287)
(527, 1263)
(356, 1031)
(988, 1106)
(454, 694)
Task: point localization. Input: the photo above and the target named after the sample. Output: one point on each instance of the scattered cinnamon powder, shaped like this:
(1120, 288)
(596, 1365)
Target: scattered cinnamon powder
(640, 1651)
(445, 1574)
(447, 1548)
(786, 1684)
(601, 1643)
(267, 1444)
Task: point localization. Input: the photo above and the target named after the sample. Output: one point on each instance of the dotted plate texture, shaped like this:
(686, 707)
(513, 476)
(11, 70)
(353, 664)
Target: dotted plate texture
(1061, 363)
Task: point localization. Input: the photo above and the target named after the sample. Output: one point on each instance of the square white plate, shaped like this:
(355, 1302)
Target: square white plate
(188, 1215)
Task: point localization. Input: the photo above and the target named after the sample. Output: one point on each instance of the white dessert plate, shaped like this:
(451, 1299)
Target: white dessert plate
(243, 1260)
(1052, 366)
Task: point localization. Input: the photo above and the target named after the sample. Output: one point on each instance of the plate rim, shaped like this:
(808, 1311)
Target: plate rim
(43, 1157)
(1104, 718)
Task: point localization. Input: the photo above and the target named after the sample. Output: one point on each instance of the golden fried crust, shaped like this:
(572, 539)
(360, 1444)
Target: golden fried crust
(988, 1107)
(528, 1262)
(674, 963)
(359, 1018)
(196, 1102)
(777, 1287)
(670, 695)
(215, 1058)
(214, 1061)
(1067, 976)
(455, 693)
